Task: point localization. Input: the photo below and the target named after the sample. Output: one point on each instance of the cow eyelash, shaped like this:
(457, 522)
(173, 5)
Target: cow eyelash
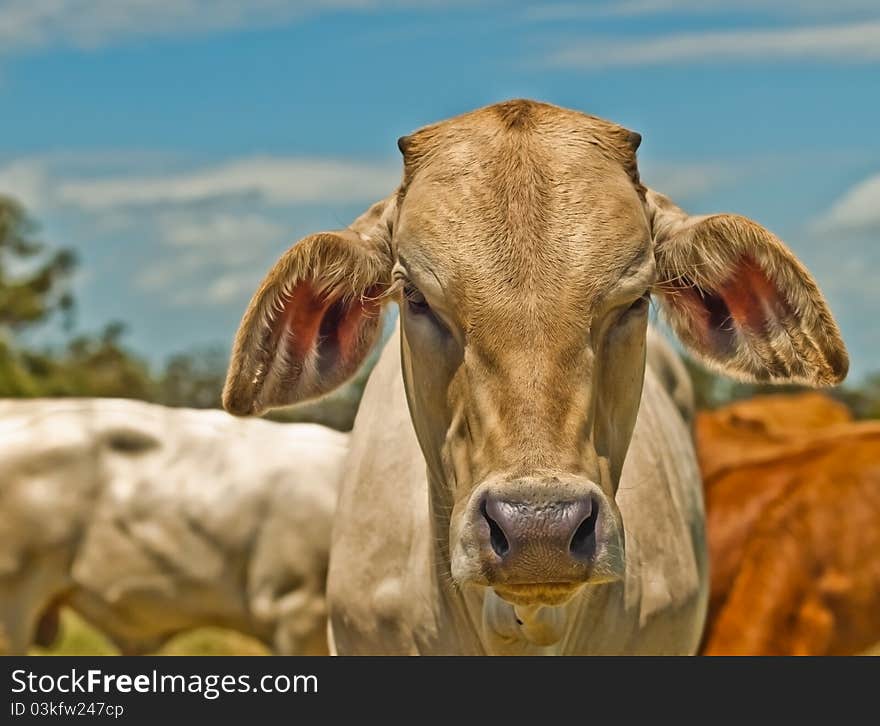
(640, 305)
(415, 300)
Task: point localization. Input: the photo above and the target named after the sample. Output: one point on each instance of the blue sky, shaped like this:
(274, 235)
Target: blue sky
(181, 146)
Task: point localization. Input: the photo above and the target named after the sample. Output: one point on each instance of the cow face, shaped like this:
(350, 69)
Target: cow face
(523, 249)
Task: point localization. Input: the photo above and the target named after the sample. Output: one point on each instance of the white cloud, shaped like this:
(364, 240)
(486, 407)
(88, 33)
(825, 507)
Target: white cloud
(25, 180)
(167, 271)
(208, 232)
(853, 42)
(197, 280)
(632, 8)
(269, 179)
(681, 181)
(207, 258)
(33, 24)
(220, 230)
(857, 211)
(26, 24)
(41, 182)
(34, 180)
(227, 288)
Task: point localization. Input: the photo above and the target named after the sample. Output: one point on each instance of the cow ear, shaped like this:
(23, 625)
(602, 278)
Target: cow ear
(741, 301)
(313, 320)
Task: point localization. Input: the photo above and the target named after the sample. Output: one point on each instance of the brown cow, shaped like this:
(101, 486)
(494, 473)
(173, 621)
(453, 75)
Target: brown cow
(793, 503)
(760, 426)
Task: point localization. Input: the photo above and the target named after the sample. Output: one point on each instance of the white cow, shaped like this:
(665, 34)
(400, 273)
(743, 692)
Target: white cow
(149, 521)
(518, 482)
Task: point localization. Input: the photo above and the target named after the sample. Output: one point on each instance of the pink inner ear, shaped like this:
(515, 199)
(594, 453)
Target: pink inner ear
(330, 325)
(301, 316)
(750, 296)
(745, 300)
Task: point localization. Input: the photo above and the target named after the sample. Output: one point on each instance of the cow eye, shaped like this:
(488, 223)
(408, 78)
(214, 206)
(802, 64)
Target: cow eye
(637, 307)
(415, 301)
(641, 304)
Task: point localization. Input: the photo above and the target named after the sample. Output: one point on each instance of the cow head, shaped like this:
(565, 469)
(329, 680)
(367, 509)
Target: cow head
(523, 251)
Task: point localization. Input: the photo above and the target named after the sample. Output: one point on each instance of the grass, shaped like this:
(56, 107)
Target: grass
(78, 638)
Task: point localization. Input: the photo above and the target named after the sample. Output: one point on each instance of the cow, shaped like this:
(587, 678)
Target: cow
(517, 481)
(149, 521)
(760, 428)
(793, 497)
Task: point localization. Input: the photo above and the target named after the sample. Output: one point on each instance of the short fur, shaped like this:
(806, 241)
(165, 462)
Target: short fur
(521, 246)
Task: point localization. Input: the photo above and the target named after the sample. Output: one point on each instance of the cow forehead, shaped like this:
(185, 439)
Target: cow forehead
(544, 216)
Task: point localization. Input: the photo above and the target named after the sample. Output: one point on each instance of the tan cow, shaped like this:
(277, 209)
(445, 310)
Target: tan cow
(149, 521)
(489, 503)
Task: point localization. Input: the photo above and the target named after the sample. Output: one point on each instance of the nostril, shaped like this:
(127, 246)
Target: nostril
(583, 541)
(499, 542)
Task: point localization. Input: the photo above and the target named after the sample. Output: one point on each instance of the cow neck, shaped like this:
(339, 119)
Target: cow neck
(463, 608)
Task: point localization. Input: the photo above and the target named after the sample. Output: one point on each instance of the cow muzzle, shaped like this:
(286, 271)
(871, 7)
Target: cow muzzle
(537, 542)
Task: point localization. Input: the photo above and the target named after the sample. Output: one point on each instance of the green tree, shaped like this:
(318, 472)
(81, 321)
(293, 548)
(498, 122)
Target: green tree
(88, 365)
(33, 284)
(193, 379)
(863, 400)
